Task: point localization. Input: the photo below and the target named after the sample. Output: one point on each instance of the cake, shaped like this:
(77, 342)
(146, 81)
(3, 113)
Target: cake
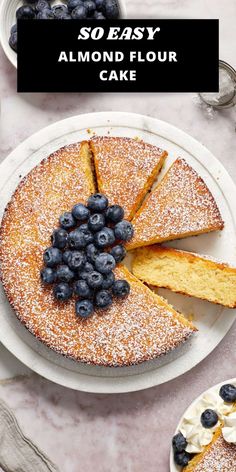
(219, 456)
(139, 328)
(206, 437)
(125, 170)
(180, 206)
(186, 273)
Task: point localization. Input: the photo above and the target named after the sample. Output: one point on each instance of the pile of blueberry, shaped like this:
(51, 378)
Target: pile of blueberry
(209, 418)
(84, 253)
(70, 9)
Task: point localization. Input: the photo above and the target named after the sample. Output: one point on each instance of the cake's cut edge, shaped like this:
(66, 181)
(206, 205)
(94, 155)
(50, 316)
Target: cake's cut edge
(184, 272)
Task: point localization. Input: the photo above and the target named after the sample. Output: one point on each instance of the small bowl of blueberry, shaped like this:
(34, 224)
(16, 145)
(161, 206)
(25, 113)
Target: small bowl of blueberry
(12, 10)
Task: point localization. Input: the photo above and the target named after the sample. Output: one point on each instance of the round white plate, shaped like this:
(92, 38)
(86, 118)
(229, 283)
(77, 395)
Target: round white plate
(216, 388)
(213, 321)
(8, 19)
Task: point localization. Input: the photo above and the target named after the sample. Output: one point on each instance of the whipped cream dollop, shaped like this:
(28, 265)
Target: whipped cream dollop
(196, 435)
(229, 429)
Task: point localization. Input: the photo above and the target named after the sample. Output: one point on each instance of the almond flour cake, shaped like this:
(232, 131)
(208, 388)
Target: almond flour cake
(206, 441)
(180, 206)
(187, 273)
(125, 170)
(132, 330)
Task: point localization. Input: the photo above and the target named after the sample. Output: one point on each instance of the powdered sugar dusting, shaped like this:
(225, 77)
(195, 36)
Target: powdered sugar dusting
(138, 328)
(126, 169)
(179, 206)
(221, 457)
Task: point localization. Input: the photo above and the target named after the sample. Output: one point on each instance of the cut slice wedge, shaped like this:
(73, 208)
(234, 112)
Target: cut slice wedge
(125, 170)
(181, 205)
(187, 273)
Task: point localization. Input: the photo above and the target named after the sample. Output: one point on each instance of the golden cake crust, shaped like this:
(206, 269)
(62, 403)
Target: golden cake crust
(186, 273)
(180, 206)
(133, 330)
(126, 169)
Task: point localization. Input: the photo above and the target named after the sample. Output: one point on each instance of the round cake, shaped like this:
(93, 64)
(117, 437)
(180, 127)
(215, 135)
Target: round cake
(138, 328)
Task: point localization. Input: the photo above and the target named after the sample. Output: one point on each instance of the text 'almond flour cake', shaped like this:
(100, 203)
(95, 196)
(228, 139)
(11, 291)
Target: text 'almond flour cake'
(180, 206)
(206, 441)
(131, 330)
(187, 273)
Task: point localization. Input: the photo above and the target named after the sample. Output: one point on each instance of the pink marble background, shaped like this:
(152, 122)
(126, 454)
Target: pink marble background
(129, 432)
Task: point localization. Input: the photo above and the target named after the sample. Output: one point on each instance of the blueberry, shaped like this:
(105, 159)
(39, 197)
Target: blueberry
(88, 267)
(52, 256)
(104, 263)
(64, 16)
(13, 41)
(47, 275)
(98, 15)
(80, 211)
(76, 260)
(103, 299)
(120, 288)
(118, 252)
(79, 13)
(90, 6)
(62, 291)
(88, 236)
(182, 458)
(25, 12)
(92, 252)
(13, 28)
(95, 279)
(108, 280)
(228, 393)
(82, 289)
(45, 14)
(105, 237)
(71, 4)
(59, 238)
(97, 202)
(111, 9)
(42, 5)
(84, 308)
(100, 5)
(96, 222)
(59, 10)
(76, 239)
(124, 230)
(64, 273)
(115, 213)
(179, 443)
(67, 220)
(66, 255)
(209, 418)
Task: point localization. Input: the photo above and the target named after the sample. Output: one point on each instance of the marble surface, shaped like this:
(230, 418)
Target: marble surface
(130, 432)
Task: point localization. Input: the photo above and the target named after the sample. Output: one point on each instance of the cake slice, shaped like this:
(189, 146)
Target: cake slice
(180, 206)
(187, 273)
(125, 170)
(218, 456)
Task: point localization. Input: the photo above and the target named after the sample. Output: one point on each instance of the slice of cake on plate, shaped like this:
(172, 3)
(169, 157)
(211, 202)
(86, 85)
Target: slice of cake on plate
(187, 273)
(206, 437)
(180, 206)
(125, 170)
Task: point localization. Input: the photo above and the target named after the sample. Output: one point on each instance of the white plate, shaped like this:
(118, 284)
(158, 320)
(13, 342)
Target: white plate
(216, 388)
(213, 321)
(8, 18)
